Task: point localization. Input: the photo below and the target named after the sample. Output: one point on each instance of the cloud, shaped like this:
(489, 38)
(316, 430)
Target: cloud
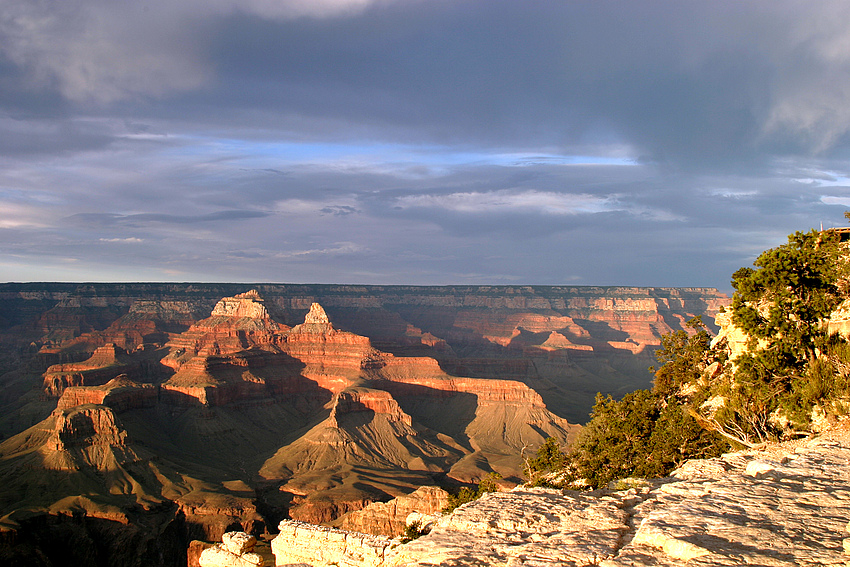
(113, 219)
(409, 141)
(505, 200)
(693, 84)
(338, 210)
(103, 51)
(336, 249)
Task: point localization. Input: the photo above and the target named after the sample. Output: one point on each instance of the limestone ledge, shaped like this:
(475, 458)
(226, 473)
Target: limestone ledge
(781, 506)
(309, 544)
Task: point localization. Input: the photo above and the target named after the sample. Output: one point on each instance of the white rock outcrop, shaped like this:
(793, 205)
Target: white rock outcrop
(299, 543)
(235, 550)
(316, 321)
(247, 304)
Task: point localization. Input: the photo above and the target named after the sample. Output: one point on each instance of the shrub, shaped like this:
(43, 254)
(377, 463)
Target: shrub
(464, 495)
(412, 531)
(549, 458)
(641, 435)
(792, 367)
(792, 361)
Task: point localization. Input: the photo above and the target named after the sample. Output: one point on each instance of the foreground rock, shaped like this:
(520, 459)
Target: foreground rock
(235, 550)
(783, 506)
(307, 544)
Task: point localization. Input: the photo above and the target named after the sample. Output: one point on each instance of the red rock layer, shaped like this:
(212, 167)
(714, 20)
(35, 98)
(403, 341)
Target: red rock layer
(390, 518)
(363, 399)
(235, 325)
(229, 357)
(423, 376)
(208, 521)
(107, 362)
(119, 394)
(85, 427)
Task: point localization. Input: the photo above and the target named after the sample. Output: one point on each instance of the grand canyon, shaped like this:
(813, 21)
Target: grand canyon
(137, 418)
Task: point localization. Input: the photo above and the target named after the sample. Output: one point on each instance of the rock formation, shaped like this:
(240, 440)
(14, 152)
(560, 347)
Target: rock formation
(307, 544)
(566, 342)
(106, 363)
(120, 394)
(391, 518)
(779, 505)
(235, 550)
(264, 420)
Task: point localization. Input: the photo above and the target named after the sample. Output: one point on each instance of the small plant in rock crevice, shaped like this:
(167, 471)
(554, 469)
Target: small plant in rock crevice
(412, 531)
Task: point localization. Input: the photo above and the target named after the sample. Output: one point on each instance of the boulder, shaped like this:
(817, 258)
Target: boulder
(236, 550)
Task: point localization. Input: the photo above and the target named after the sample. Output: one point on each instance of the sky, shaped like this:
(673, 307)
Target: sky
(427, 142)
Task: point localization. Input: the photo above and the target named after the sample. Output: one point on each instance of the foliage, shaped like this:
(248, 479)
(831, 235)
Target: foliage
(683, 356)
(412, 531)
(784, 302)
(549, 458)
(465, 494)
(786, 371)
(701, 401)
(644, 434)
(826, 382)
(650, 432)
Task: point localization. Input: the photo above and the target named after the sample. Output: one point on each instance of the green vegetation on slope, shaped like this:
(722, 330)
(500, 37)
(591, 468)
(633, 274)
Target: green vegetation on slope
(464, 495)
(793, 370)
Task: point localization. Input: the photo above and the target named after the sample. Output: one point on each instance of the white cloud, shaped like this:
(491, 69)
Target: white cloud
(16, 215)
(295, 8)
(505, 200)
(338, 248)
(830, 200)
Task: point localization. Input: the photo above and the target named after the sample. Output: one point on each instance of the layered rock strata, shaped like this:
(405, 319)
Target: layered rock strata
(567, 342)
(263, 419)
(391, 518)
(106, 363)
(120, 394)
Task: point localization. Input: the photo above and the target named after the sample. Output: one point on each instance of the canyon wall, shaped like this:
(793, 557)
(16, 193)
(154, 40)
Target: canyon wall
(566, 342)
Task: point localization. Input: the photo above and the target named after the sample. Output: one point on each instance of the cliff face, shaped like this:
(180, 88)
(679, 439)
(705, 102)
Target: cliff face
(390, 518)
(566, 342)
(107, 362)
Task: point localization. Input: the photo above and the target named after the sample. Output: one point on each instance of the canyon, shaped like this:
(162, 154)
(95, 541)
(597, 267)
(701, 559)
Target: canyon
(138, 417)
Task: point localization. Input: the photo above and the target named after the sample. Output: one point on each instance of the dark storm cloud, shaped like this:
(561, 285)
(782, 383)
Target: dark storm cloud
(697, 84)
(21, 137)
(702, 85)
